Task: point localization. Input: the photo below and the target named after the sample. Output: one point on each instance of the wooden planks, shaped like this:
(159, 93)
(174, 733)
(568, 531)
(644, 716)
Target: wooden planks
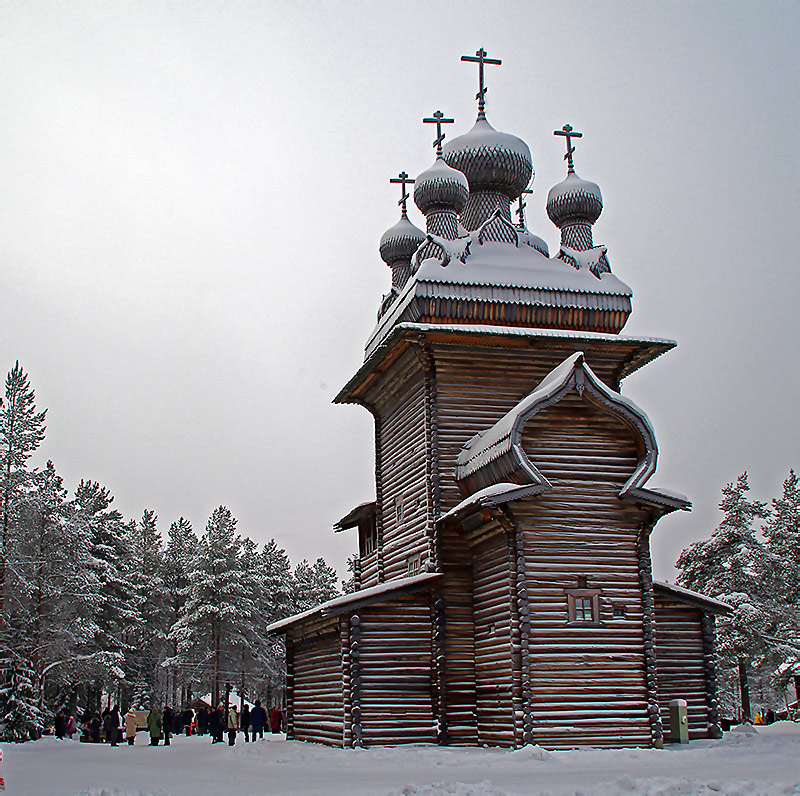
(317, 703)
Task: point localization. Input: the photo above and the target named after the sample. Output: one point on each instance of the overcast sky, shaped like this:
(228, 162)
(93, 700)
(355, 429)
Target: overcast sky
(192, 195)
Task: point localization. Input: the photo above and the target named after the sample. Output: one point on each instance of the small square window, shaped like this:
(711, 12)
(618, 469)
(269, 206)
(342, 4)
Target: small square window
(583, 604)
(584, 609)
(619, 612)
(414, 564)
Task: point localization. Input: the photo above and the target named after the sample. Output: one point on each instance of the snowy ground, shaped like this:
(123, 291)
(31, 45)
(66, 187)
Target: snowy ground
(741, 764)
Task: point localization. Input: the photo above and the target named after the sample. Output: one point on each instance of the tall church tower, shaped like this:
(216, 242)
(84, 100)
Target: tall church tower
(505, 558)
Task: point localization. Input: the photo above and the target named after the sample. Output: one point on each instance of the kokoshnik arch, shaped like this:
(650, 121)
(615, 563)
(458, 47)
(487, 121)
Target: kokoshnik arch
(504, 587)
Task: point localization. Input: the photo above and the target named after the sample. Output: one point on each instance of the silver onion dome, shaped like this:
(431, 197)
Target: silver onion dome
(574, 201)
(441, 186)
(400, 242)
(491, 161)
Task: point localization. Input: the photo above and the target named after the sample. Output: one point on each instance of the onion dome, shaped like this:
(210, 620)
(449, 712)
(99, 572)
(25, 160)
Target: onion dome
(535, 242)
(441, 187)
(492, 161)
(573, 206)
(397, 247)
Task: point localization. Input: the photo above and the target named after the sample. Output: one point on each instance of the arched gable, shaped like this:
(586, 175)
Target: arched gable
(498, 456)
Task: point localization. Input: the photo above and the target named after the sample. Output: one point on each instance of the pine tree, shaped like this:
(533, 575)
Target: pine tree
(22, 430)
(782, 533)
(735, 567)
(20, 717)
(314, 584)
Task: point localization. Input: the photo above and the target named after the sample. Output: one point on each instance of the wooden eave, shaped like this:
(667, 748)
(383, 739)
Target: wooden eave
(354, 517)
(693, 598)
(383, 592)
(634, 352)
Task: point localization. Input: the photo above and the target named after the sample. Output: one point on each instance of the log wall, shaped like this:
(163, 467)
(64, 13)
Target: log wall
(316, 695)
(396, 672)
(403, 453)
(494, 672)
(587, 680)
(681, 672)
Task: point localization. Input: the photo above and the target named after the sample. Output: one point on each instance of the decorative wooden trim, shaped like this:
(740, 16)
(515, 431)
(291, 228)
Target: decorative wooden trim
(355, 681)
(344, 643)
(648, 633)
(708, 624)
(378, 498)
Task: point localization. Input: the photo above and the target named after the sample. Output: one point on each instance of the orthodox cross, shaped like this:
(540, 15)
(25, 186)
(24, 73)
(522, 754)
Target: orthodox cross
(438, 119)
(569, 134)
(481, 59)
(521, 205)
(403, 179)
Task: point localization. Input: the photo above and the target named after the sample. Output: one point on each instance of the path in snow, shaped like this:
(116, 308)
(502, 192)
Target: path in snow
(766, 763)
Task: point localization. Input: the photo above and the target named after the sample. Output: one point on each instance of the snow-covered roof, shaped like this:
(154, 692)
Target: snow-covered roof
(490, 496)
(643, 349)
(574, 184)
(496, 454)
(692, 597)
(351, 519)
(383, 591)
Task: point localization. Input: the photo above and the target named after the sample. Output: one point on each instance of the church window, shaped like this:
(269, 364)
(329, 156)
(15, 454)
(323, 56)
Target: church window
(414, 564)
(398, 509)
(583, 603)
(368, 537)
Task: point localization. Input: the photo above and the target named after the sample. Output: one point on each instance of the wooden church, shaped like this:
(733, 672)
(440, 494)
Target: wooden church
(505, 593)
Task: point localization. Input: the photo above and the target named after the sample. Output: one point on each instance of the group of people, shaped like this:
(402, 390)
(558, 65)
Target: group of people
(166, 723)
(767, 717)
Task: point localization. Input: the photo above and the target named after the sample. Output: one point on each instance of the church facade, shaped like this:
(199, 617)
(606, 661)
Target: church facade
(504, 586)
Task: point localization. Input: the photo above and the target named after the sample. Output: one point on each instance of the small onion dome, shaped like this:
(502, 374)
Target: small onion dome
(400, 241)
(574, 201)
(492, 161)
(441, 186)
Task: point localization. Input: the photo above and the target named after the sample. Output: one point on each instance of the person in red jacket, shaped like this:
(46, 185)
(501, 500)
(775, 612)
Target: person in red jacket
(275, 719)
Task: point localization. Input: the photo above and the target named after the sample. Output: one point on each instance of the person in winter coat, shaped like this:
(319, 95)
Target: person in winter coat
(130, 727)
(275, 719)
(201, 720)
(244, 723)
(215, 720)
(258, 720)
(110, 728)
(72, 727)
(94, 728)
(188, 717)
(168, 720)
(233, 724)
(154, 725)
(119, 723)
(60, 726)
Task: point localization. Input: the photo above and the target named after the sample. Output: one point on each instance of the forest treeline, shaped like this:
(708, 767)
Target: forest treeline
(95, 606)
(752, 563)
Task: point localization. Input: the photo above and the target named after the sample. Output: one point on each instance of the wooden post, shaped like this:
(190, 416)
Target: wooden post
(439, 670)
(355, 680)
(649, 634)
(710, 672)
(744, 688)
(289, 688)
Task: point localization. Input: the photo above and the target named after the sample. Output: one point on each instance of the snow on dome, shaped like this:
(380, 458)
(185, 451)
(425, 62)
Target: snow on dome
(400, 241)
(441, 186)
(535, 242)
(574, 199)
(491, 160)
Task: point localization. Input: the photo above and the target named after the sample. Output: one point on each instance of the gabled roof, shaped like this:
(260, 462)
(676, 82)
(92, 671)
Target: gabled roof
(357, 599)
(496, 455)
(691, 598)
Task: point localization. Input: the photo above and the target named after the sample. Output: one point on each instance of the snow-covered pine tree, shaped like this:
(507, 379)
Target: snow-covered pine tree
(115, 611)
(147, 638)
(734, 566)
(218, 617)
(20, 717)
(782, 534)
(22, 430)
(178, 563)
(314, 584)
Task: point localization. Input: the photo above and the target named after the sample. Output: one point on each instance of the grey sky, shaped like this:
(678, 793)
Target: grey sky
(192, 195)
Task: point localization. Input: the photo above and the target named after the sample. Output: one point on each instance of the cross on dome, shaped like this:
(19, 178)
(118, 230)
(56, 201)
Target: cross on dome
(481, 59)
(438, 119)
(403, 179)
(569, 134)
(521, 205)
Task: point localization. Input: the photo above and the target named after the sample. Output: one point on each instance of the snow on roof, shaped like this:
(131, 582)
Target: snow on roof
(490, 496)
(337, 605)
(483, 134)
(350, 520)
(692, 597)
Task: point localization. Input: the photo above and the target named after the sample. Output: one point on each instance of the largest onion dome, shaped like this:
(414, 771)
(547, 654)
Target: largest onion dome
(441, 187)
(492, 161)
(574, 200)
